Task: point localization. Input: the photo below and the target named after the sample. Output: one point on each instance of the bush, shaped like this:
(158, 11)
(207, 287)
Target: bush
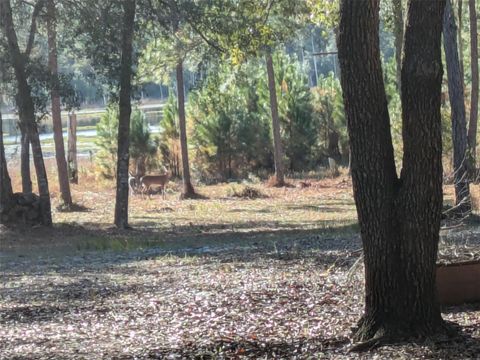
(142, 147)
(231, 135)
(245, 192)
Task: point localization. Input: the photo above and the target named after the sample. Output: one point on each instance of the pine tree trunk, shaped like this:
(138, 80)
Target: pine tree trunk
(56, 110)
(398, 33)
(188, 190)
(6, 193)
(277, 139)
(72, 148)
(27, 110)
(399, 217)
(472, 127)
(25, 160)
(457, 102)
(123, 157)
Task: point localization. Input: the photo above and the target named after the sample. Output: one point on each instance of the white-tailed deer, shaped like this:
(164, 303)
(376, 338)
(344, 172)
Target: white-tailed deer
(147, 181)
(132, 183)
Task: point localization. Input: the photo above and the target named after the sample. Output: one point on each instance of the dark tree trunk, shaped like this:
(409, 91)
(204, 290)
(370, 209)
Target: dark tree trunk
(27, 110)
(72, 148)
(123, 157)
(472, 126)
(188, 190)
(333, 147)
(277, 139)
(25, 160)
(399, 217)
(398, 33)
(460, 41)
(6, 193)
(457, 102)
(56, 110)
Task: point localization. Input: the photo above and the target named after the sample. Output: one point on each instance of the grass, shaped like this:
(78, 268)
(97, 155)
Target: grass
(220, 218)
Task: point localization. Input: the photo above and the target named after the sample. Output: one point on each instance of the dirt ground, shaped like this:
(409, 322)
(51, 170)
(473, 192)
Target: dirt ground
(222, 277)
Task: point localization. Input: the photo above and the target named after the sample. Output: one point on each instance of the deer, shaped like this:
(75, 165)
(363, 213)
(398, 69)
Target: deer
(132, 183)
(147, 181)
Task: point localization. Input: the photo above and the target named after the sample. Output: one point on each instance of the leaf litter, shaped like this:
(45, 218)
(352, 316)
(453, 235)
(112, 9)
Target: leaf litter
(252, 302)
(292, 295)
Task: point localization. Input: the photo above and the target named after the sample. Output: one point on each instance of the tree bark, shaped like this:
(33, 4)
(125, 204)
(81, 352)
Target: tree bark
(398, 33)
(277, 139)
(399, 216)
(56, 109)
(460, 41)
(72, 148)
(123, 157)
(6, 193)
(472, 127)
(188, 190)
(25, 160)
(457, 102)
(27, 110)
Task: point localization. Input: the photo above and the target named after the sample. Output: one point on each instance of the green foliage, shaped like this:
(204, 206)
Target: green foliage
(142, 146)
(248, 28)
(330, 120)
(295, 109)
(324, 12)
(231, 134)
(169, 139)
(231, 119)
(107, 135)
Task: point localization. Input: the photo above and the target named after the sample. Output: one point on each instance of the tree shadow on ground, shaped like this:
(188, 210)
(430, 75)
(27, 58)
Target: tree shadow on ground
(322, 245)
(231, 348)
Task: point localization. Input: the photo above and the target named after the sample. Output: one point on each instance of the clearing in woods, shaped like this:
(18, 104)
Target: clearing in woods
(220, 277)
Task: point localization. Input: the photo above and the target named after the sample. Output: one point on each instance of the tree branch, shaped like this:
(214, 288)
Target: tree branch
(33, 27)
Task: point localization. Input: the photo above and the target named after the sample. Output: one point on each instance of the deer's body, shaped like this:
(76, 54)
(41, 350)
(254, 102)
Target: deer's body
(147, 181)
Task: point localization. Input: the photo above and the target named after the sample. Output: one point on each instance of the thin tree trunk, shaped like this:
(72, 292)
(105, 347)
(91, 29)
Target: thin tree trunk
(457, 102)
(398, 33)
(460, 41)
(27, 110)
(314, 60)
(25, 160)
(188, 190)
(277, 139)
(399, 217)
(56, 110)
(6, 193)
(123, 157)
(472, 127)
(72, 148)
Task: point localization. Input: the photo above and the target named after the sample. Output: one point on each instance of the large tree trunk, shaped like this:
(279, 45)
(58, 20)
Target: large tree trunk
(277, 139)
(27, 110)
(188, 190)
(25, 160)
(6, 193)
(399, 217)
(123, 157)
(398, 33)
(457, 102)
(472, 127)
(72, 148)
(56, 110)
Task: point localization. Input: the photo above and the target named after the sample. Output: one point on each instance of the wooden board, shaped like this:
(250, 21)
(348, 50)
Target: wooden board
(458, 283)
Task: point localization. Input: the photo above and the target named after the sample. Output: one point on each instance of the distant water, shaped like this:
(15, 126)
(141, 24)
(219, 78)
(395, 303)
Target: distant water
(13, 149)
